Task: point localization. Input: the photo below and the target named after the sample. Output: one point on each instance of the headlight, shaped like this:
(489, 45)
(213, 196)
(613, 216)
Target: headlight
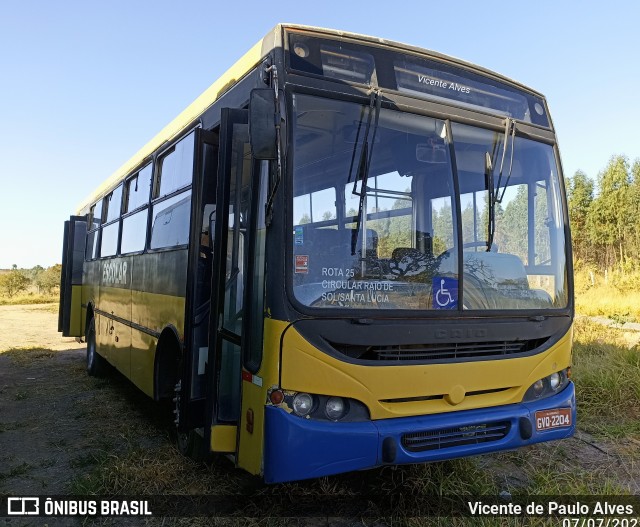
(335, 408)
(302, 404)
(547, 386)
(319, 407)
(538, 387)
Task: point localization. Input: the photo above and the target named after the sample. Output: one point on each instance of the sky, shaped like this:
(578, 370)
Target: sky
(85, 84)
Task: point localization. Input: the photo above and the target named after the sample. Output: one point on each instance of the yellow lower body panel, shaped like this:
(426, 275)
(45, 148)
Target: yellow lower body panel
(408, 390)
(223, 438)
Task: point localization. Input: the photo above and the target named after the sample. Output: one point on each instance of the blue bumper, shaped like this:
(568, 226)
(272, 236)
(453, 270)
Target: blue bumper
(298, 448)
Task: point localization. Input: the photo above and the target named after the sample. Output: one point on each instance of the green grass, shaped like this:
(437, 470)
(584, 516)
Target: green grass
(606, 370)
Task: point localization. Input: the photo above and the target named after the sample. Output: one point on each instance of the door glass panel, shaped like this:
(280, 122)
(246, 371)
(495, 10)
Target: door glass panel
(240, 163)
(239, 200)
(200, 346)
(229, 385)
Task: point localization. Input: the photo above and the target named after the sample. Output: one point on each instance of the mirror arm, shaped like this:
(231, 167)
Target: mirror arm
(278, 122)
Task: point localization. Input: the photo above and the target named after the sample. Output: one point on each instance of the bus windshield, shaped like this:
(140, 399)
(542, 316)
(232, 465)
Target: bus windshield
(376, 223)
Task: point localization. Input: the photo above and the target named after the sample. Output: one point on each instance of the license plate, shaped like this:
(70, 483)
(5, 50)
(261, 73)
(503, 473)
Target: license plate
(556, 418)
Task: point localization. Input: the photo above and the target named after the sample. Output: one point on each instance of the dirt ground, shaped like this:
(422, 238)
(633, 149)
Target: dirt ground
(32, 326)
(57, 425)
(56, 422)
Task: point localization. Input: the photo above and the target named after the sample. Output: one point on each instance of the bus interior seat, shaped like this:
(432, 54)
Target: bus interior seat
(484, 267)
(371, 243)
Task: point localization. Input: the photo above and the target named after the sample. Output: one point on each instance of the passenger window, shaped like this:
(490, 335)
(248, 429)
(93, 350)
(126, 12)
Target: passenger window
(109, 245)
(176, 167)
(171, 219)
(137, 193)
(112, 204)
(91, 248)
(95, 216)
(315, 207)
(134, 232)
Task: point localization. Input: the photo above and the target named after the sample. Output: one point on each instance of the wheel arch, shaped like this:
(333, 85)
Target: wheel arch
(88, 318)
(167, 359)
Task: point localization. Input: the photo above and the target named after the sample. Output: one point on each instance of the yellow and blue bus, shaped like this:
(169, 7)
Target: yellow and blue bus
(346, 253)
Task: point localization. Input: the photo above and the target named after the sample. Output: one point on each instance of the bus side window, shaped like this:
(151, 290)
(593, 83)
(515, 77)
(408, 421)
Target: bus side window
(176, 168)
(111, 228)
(93, 224)
(136, 198)
(171, 218)
(172, 215)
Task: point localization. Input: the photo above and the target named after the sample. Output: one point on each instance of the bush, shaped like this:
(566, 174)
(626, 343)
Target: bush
(13, 282)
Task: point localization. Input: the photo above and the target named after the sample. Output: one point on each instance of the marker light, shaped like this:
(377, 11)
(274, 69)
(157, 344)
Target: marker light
(276, 397)
(301, 50)
(335, 408)
(302, 404)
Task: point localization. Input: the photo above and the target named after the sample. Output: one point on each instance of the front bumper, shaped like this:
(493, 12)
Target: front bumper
(297, 448)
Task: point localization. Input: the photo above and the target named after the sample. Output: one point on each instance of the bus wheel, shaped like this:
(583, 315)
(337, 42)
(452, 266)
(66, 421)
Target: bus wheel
(192, 445)
(96, 365)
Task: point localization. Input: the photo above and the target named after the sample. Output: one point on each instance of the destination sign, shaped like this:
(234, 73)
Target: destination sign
(418, 78)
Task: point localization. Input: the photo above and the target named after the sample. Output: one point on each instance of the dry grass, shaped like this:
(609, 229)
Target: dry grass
(29, 298)
(602, 301)
(617, 296)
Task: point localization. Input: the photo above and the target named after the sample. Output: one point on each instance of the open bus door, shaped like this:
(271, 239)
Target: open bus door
(210, 398)
(70, 312)
(230, 226)
(219, 305)
(193, 390)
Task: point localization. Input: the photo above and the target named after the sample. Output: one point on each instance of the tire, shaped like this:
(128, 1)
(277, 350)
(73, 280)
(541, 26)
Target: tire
(192, 445)
(96, 365)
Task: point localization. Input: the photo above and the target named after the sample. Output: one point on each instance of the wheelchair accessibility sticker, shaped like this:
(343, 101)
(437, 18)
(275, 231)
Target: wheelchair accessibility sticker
(444, 292)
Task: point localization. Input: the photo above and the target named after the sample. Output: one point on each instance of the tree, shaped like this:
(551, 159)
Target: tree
(580, 197)
(49, 279)
(633, 232)
(610, 213)
(13, 282)
(305, 219)
(513, 235)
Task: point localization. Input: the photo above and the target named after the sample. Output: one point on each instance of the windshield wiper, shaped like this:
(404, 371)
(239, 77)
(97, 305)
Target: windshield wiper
(509, 133)
(362, 173)
(494, 195)
(491, 224)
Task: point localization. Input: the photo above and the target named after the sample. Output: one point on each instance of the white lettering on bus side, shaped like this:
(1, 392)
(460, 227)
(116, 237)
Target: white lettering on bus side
(114, 272)
(423, 79)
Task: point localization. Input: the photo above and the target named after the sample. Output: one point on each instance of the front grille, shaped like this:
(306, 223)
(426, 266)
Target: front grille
(440, 351)
(453, 437)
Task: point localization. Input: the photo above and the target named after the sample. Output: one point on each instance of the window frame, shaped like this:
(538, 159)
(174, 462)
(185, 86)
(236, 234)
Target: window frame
(139, 209)
(155, 188)
(95, 231)
(156, 184)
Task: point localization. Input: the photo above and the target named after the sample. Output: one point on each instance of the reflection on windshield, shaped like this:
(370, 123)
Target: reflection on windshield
(403, 251)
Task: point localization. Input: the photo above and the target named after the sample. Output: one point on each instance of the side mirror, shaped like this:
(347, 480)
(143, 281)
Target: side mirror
(262, 125)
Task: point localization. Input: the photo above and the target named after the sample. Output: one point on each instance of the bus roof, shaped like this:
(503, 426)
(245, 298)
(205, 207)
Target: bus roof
(247, 62)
